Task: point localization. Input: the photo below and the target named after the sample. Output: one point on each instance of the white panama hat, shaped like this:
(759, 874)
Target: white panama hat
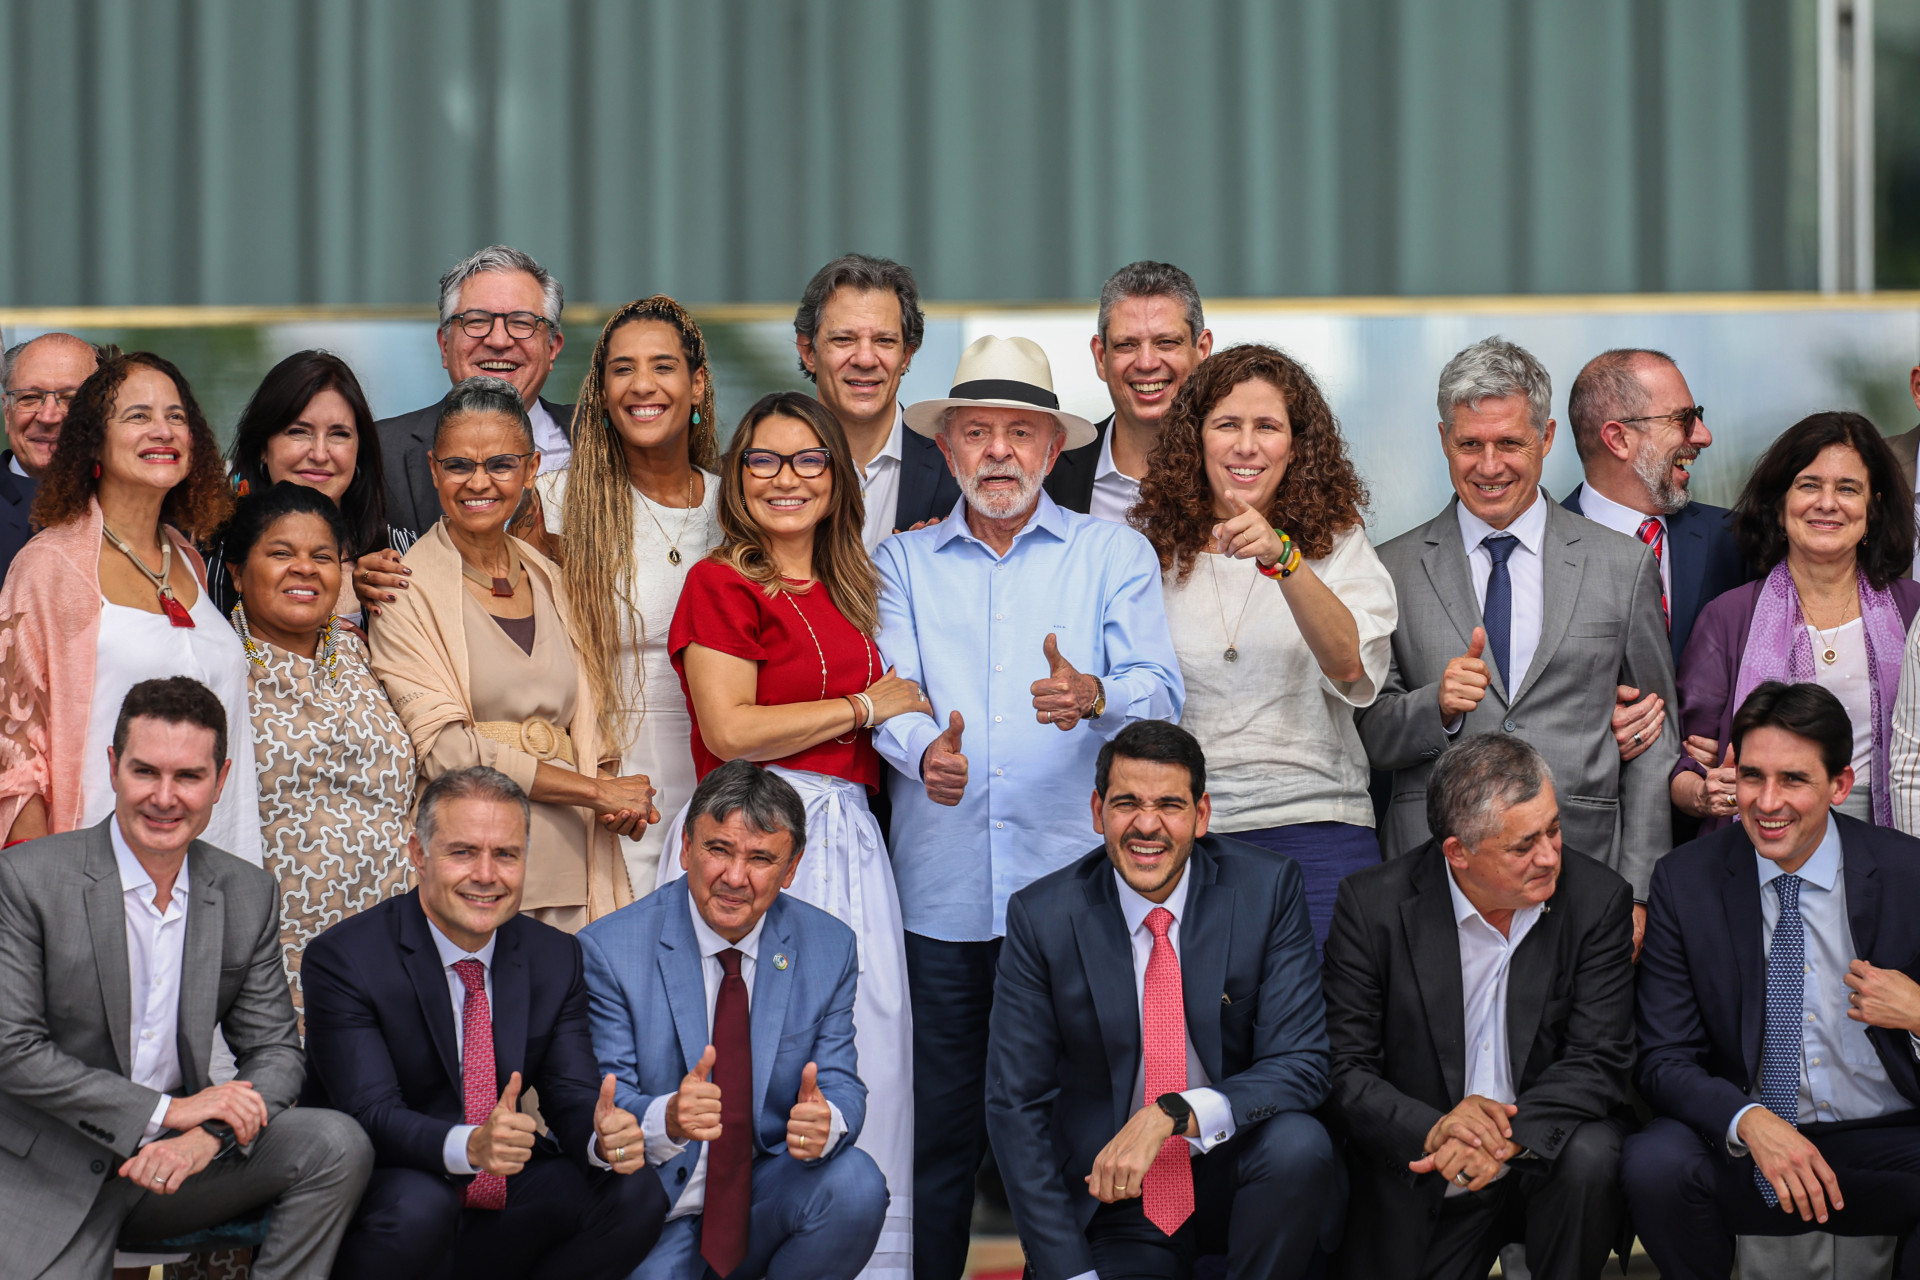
(1003, 373)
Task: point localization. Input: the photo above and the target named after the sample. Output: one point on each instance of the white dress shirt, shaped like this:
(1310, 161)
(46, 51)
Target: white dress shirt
(156, 944)
(1601, 509)
(13, 465)
(880, 484)
(1486, 962)
(549, 438)
(1114, 491)
(1524, 568)
(660, 1147)
(453, 1152)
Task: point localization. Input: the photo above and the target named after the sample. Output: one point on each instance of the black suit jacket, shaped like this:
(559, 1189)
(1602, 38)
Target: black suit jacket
(16, 501)
(1064, 1045)
(1703, 971)
(381, 1044)
(1396, 1022)
(405, 439)
(1704, 558)
(928, 490)
(1070, 483)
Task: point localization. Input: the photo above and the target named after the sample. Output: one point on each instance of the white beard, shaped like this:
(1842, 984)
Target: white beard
(1000, 506)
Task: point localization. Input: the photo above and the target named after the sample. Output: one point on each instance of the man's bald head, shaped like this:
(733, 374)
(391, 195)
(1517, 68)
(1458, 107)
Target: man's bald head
(40, 377)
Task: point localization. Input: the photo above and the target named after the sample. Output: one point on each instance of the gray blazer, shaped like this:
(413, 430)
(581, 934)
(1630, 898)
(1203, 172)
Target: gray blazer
(69, 1114)
(1600, 626)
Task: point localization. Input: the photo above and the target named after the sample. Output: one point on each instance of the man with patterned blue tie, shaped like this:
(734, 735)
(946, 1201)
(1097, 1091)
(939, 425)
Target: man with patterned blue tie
(1779, 1016)
(724, 1010)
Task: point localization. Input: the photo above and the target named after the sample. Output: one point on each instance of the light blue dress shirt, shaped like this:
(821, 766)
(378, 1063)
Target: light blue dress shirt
(1841, 1075)
(969, 626)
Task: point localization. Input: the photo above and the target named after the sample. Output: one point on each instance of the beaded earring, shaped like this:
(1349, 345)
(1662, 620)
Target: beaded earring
(329, 657)
(255, 651)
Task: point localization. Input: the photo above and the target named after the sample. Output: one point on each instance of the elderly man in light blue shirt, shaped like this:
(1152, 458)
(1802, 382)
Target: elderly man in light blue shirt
(1037, 634)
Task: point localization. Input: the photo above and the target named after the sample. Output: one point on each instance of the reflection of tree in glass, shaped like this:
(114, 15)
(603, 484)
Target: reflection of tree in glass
(1896, 145)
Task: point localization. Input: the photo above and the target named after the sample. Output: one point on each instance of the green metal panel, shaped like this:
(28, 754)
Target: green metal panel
(347, 151)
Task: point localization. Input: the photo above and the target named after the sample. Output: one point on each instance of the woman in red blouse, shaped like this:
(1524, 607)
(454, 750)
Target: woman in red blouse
(773, 640)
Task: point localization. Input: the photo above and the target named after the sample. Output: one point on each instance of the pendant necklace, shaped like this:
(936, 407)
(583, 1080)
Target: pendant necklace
(673, 545)
(1233, 637)
(176, 612)
(504, 588)
(868, 644)
(1829, 653)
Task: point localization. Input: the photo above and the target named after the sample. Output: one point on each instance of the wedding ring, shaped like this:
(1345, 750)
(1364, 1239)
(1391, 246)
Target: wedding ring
(159, 1179)
(799, 1139)
(1636, 739)
(1047, 716)
(619, 1154)
(1461, 1178)
(1119, 1186)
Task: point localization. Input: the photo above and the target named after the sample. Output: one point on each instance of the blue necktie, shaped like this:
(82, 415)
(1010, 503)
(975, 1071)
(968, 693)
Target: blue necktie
(1780, 1049)
(1498, 611)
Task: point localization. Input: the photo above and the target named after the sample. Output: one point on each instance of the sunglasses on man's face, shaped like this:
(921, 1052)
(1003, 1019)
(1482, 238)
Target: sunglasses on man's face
(1681, 418)
(499, 466)
(765, 464)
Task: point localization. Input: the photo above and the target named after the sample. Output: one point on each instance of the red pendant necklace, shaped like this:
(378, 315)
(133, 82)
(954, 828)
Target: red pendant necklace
(170, 605)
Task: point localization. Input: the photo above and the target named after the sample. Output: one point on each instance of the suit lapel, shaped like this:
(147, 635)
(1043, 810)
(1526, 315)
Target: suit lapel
(107, 921)
(1529, 978)
(1446, 564)
(1741, 902)
(1206, 938)
(1686, 562)
(1434, 942)
(772, 990)
(1861, 872)
(682, 978)
(200, 969)
(1562, 561)
(512, 992)
(920, 463)
(1100, 932)
(421, 960)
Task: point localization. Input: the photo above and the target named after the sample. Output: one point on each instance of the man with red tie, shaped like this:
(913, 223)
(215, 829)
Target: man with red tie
(428, 1017)
(1159, 1040)
(723, 1009)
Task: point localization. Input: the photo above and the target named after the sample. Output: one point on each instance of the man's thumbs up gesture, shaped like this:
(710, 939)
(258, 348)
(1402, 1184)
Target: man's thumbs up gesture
(694, 1111)
(618, 1134)
(1465, 680)
(942, 767)
(1066, 696)
(810, 1121)
(505, 1142)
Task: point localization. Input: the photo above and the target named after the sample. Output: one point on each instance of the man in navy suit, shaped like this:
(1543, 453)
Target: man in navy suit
(1778, 1011)
(724, 1010)
(427, 1016)
(1158, 1042)
(41, 376)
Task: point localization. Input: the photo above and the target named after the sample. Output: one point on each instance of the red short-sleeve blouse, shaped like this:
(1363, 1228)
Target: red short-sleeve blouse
(792, 636)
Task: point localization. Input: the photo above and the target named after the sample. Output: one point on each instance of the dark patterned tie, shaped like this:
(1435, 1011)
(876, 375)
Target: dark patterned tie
(1654, 534)
(1498, 611)
(723, 1218)
(1786, 1012)
(479, 1085)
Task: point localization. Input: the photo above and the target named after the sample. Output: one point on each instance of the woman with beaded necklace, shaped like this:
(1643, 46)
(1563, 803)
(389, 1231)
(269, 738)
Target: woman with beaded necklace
(773, 640)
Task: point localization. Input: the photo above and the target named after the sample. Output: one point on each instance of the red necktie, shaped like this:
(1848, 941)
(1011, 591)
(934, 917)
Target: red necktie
(479, 1087)
(1167, 1190)
(723, 1218)
(1654, 534)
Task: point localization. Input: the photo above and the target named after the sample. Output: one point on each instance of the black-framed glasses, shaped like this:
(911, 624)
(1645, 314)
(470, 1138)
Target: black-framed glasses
(499, 466)
(1681, 418)
(765, 464)
(478, 324)
(32, 398)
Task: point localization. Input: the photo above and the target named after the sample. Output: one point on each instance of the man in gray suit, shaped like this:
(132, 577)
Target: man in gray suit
(1906, 447)
(122, 947)
(1518, 616)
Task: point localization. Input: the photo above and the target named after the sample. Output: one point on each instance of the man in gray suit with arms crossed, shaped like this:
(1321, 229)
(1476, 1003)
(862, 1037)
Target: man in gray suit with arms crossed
(122, 947)
(1518, 616)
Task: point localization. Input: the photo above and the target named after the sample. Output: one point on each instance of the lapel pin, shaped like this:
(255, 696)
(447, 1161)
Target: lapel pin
(779, 959)
(1225, 998)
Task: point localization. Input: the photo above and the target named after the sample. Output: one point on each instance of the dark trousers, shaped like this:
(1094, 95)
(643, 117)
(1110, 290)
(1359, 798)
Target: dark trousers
(1690, 1198)
(1268, 1199)
(950, 985)
(560, 1223)
(1567, 1213)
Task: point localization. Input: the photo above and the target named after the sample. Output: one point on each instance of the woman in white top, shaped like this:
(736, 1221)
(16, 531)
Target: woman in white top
(1281, 613)
(633, 510)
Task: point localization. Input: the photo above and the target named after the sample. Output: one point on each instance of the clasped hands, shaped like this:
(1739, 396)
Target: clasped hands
(693, 1112)
(164, 1164)
(1120, 1170)
(1473, 1141)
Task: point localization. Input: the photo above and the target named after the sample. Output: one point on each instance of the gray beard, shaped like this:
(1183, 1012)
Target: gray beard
(993, 508)
(1656, 474)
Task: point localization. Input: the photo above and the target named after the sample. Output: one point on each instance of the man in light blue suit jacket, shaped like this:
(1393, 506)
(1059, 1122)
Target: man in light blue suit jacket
(658, 974)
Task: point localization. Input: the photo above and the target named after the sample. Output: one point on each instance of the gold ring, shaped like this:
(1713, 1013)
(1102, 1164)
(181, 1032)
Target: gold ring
(619, 1154)
(1119, 1186)
(799, 1139)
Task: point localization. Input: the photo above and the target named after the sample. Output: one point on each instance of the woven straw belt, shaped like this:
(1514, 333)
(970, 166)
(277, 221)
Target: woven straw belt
(541, 739)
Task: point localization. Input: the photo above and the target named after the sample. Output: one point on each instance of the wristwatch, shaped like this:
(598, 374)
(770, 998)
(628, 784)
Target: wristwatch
(1099, 707)
(1177, 1109)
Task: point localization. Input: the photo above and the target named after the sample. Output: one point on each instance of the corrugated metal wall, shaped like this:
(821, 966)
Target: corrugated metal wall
(289, 151)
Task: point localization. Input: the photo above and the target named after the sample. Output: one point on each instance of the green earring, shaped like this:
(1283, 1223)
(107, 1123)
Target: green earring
(696, 417)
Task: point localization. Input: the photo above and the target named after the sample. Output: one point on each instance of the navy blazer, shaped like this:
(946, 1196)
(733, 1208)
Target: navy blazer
(380, 1031)
(413, 503)
(1070, 483)
(1704, 561)
(1064, 1047)
(16, 502)
(1703, 976)
(927, 487)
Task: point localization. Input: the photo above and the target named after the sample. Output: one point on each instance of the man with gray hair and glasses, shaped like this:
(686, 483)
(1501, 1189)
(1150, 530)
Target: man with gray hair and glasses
(1516, 616)
(499, 316)
(1151, 335)
(1480, 1014)
(41, 376)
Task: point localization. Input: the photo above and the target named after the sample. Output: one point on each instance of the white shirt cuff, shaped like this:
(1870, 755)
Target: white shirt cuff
(1735, 1147)
(653, 1125)
(453, 1152)
(1212, 1116)
(1914, 1040)
(157, 1125)
(1086, 1275)
(836, 1130)
(1452, 727)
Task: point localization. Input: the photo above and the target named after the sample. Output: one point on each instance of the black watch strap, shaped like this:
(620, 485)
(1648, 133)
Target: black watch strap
(224, 1133)
(1177, 1109)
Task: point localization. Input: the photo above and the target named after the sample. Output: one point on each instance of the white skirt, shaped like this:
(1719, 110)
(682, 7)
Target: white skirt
(846, 873)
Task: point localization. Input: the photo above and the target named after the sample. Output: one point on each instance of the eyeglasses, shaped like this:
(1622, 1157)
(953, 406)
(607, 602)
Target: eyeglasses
(478, 324)
(1681, 418)
(765, 464)
(33, 398)
(499, 466)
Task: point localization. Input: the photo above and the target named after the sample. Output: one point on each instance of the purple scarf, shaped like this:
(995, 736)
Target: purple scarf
(1778, 649)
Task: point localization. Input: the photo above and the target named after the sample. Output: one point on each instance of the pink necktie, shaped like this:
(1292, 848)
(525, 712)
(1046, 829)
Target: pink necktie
(1167, 1190)
(1654, 534)
(479, 1088)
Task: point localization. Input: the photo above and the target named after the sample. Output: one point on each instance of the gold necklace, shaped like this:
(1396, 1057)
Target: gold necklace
(673, 545)
(1830, 653)
(854, 736)
(1233, 637)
